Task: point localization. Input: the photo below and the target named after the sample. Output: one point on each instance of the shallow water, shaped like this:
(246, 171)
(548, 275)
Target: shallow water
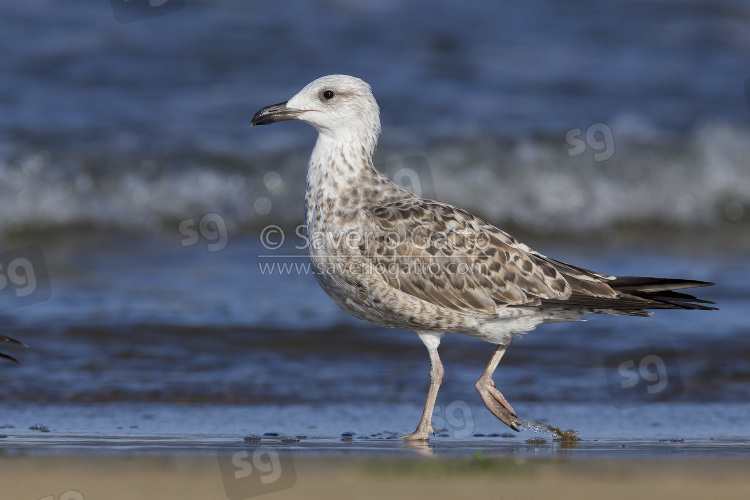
(198, 349)
(133, 194)
(143, 319)
(366, 428)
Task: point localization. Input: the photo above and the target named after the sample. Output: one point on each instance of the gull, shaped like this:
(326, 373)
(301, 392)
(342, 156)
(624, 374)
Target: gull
(9, 340)
(394, 259)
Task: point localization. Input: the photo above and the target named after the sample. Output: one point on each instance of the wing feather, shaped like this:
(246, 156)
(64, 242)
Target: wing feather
(446, 256)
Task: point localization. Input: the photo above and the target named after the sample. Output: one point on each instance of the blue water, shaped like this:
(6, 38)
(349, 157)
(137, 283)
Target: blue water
(609, 134)
(143, 319)
(713, 430)
(546, 114)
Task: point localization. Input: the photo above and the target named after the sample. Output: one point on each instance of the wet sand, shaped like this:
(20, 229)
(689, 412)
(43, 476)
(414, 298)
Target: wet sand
(113, 451)
(199, 477)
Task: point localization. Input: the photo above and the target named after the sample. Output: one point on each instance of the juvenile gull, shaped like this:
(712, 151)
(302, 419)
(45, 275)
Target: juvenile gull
(397, 260)
(9, 340)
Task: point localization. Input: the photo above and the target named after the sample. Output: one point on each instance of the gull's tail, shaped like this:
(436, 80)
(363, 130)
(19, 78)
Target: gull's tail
(637, 294)
(10, 341)
(661, 292)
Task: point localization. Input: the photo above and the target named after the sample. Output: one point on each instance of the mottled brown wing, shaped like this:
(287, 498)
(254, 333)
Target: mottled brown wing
(446, 256)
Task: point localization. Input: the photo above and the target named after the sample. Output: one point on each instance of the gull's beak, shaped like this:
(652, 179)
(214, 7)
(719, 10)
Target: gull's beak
(275, 113)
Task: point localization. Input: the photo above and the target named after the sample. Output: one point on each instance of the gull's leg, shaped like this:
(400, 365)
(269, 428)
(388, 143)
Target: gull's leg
(493, 400)
(431, 341)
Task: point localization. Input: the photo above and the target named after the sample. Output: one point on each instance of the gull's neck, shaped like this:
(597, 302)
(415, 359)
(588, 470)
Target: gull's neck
(340, 167)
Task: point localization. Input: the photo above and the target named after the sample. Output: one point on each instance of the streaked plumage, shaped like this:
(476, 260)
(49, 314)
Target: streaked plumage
(394, 259)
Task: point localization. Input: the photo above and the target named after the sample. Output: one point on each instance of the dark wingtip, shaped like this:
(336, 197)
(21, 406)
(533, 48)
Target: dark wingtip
(9, 340)
(9, 358)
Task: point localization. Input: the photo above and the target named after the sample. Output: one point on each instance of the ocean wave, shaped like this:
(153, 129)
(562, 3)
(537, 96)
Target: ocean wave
(592, 178)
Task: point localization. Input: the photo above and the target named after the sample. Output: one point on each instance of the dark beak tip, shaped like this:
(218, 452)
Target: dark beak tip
(274, 113)
(257, 119)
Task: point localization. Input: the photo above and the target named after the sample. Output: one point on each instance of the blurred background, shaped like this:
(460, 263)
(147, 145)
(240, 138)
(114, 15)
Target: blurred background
(134, 195)
(137, 126)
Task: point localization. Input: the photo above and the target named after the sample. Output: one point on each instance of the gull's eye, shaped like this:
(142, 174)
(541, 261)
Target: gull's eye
(328, 94)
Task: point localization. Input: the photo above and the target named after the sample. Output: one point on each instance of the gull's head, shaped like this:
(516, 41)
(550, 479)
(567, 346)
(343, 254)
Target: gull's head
(336, 105)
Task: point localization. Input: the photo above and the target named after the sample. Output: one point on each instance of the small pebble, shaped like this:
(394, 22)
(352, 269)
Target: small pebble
(39, 427)
(251, 439)
(507, 435)
(272, 434)
(536, 441)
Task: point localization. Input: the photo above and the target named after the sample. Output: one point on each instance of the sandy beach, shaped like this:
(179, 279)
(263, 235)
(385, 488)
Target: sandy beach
(199, 477)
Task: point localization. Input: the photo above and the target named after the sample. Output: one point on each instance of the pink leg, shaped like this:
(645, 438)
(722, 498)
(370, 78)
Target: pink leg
(424, 429)
(493, 400)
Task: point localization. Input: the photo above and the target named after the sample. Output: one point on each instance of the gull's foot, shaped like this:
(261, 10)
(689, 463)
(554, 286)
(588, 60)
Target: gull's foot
(421, 434)
(497, 404)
